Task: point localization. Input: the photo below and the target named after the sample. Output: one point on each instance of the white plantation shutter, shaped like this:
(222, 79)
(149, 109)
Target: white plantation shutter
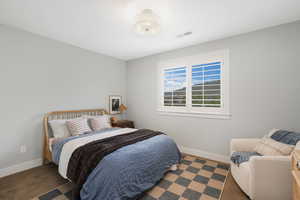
(175, 80)
(197, 85)
(206, 85)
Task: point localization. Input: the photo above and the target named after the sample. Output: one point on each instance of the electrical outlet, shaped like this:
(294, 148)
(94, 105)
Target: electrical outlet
(23, 148)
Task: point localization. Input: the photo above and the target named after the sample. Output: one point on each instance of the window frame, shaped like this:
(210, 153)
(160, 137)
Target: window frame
(209, 112)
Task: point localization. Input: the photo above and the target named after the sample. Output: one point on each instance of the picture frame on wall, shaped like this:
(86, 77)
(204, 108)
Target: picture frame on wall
(114, 104)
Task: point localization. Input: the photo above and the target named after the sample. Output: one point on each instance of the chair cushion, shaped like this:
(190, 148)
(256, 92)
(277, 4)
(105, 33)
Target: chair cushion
(269, 147)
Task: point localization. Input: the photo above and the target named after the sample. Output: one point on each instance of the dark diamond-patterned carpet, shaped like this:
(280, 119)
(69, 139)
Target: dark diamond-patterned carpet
(196, 179)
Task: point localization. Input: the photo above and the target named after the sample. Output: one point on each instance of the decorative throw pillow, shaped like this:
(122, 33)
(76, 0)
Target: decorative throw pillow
(59, 128)
(272, 131)
(270, 147)
(100, 122)
(285, 136)
(78, 126)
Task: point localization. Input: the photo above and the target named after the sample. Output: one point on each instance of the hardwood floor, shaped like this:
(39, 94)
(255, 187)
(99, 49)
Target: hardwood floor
(232, 191)
(28, 184)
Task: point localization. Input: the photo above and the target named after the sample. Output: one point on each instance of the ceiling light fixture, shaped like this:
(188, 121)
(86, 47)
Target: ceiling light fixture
(147, 23)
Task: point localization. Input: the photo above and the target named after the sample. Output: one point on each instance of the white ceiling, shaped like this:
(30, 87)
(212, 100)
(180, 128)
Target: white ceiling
(106, 26)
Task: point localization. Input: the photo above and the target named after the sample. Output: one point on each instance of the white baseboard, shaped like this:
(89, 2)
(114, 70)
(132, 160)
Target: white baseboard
(20, 167)
(205, 154)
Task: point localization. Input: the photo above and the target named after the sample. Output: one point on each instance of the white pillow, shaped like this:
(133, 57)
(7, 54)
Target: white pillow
(100, 122)
(78, 126)
(59, 128)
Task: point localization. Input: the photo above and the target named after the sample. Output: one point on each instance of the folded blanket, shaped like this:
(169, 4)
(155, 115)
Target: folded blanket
(86, 158)
(286, 137)
(240, 157)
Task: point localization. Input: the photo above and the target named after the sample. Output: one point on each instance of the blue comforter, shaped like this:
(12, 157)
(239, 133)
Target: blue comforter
(128, 171)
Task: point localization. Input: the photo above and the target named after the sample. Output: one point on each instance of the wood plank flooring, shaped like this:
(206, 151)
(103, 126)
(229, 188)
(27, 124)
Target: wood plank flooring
(28, 184)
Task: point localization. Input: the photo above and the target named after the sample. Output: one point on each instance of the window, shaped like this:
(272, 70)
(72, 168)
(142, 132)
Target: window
(195, 85)
(175, 87)
(206, 88)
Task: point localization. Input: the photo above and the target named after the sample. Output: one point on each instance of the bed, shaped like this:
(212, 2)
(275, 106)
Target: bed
(110, 164)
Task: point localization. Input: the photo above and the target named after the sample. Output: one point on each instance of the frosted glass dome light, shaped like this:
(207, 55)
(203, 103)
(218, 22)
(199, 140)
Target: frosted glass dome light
(147, 23)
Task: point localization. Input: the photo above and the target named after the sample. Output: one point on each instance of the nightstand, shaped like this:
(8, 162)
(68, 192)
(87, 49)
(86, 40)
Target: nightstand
(123, 124)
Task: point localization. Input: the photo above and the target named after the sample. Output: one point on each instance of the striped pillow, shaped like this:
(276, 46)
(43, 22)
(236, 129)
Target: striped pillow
(78, 126)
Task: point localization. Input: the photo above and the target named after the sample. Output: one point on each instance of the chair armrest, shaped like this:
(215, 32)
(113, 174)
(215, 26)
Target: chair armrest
(270, 173)
(243, 144)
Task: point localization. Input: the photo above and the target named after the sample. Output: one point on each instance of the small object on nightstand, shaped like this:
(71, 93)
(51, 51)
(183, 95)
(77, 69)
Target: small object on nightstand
(113, 120)
(123, 124)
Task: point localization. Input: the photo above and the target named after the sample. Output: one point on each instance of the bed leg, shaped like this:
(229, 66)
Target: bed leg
(45, 161)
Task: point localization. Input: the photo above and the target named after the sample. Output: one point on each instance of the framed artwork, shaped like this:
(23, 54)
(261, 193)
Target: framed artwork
(114, 104)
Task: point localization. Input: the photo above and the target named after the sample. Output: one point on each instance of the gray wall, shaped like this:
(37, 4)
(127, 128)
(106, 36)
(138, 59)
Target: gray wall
(264, 90)
(39, 75)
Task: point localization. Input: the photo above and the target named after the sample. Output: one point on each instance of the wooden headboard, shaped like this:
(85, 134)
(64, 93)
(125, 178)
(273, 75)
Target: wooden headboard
(64, 115)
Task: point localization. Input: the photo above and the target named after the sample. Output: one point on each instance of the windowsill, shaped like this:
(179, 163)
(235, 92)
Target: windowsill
(195, 114)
